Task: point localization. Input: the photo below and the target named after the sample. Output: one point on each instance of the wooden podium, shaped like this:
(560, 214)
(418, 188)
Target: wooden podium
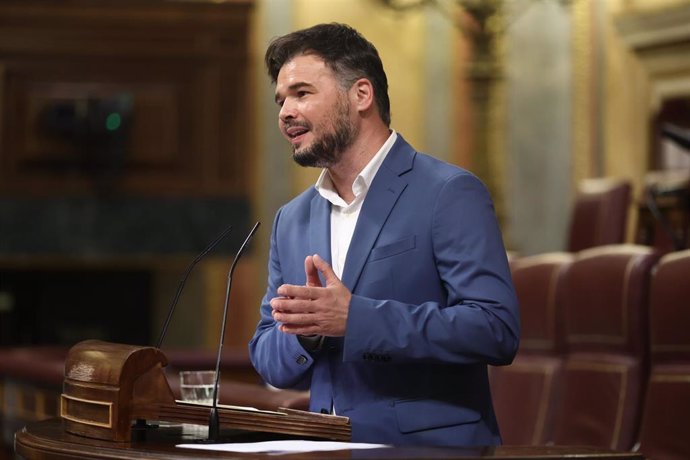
(109, 386)
(47, 440)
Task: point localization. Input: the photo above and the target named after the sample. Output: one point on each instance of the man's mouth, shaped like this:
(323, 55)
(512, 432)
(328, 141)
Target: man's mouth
(295, 133)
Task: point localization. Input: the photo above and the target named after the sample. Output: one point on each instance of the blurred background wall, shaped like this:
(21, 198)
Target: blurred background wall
(133, 132)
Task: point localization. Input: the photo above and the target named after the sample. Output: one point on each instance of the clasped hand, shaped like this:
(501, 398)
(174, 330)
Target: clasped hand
(313, 308)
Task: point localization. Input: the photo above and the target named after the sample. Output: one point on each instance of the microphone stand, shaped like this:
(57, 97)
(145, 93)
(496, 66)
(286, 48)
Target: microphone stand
(650, 200)
(183, 280)
(681, 138)
(213, 420)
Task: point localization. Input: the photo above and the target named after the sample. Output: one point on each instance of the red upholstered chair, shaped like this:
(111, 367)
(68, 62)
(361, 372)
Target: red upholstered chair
(600, 213)
(524, 393)
(606, 333)
(665, 433)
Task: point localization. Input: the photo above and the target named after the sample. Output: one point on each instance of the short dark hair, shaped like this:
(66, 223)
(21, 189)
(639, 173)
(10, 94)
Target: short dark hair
(344, 50)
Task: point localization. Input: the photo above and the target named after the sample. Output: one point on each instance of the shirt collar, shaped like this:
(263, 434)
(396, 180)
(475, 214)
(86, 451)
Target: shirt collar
(324, 184)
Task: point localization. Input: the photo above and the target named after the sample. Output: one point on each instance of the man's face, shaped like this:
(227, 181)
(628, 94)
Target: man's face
(314, 112)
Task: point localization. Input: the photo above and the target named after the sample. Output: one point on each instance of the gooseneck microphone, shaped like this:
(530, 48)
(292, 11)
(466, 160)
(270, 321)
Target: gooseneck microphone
(213, 421)
(183, 280)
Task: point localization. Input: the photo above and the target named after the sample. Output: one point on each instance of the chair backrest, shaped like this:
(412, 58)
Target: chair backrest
(538, 284)
(664, 432)
(600, 213)
(524, 393)
(606, 332)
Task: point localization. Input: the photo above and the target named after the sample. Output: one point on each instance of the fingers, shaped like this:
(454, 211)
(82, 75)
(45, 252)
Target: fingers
(284, 304)
(295, 322)
(298, 292)
(313, 308)
(325, 268)
(311, 272)
(299, 329)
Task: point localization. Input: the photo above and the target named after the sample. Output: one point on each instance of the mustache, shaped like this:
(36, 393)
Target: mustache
(296, 124)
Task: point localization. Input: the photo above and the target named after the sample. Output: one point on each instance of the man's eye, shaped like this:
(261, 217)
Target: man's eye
(302, 93)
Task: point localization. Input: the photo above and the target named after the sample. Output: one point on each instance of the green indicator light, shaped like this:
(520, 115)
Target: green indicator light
(113, 122)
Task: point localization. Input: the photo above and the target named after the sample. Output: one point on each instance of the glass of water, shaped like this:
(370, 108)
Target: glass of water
(197, 386)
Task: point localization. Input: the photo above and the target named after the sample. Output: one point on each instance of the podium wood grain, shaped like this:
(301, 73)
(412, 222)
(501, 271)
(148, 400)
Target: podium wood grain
(47, 440)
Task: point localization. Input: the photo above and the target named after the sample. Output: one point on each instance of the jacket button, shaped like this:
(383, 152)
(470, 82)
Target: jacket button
(301, 359)
(324, 411)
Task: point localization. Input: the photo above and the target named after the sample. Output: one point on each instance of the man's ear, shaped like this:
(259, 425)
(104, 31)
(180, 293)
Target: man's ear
(363, 94)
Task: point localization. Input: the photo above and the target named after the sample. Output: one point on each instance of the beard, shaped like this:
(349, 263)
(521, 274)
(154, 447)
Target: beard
(328, 149)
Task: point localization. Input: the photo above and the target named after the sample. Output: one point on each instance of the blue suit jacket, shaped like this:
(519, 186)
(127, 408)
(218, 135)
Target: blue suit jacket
(432, 305)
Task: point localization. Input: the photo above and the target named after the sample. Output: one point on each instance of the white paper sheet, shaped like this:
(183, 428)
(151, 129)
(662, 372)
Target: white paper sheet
(283, 447)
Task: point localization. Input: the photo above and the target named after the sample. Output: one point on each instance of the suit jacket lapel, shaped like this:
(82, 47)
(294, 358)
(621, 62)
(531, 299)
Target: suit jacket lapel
(320, 219)
(381, 197)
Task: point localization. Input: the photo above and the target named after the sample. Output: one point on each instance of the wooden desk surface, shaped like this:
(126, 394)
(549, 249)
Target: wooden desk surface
(47, 440)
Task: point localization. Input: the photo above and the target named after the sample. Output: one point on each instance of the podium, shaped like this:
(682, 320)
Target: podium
(112, 393)
(109, 386)
(47, 440)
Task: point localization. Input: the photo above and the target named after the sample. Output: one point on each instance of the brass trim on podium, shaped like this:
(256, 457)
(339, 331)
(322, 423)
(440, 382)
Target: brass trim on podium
(65, 413)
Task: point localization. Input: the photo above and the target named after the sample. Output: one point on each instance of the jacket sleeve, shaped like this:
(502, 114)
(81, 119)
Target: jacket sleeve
(278, 357)
(478, 323)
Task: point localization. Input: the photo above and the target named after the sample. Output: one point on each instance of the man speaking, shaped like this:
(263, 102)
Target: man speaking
(389, 290)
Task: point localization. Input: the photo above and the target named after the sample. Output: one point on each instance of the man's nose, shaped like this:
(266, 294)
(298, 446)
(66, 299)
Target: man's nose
(287, 111)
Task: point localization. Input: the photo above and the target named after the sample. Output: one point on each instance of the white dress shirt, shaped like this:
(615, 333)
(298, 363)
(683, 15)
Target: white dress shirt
(343, 215)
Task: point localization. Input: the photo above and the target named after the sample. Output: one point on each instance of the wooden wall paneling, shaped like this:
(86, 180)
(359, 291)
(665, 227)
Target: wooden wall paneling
(184, 65)
(174, 60)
